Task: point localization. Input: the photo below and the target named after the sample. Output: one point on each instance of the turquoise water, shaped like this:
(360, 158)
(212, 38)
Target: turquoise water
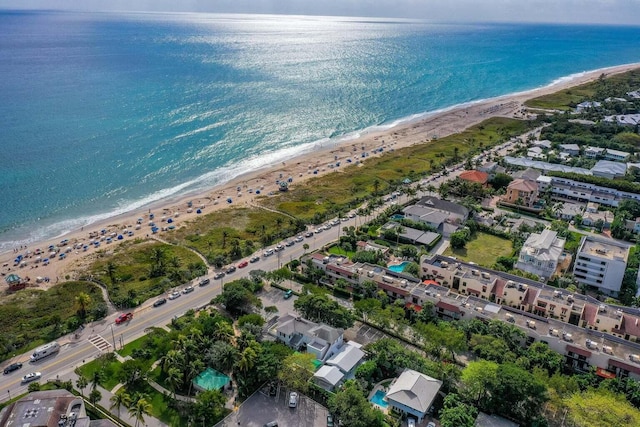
(398, 268)
(104, 113)
(378, 399)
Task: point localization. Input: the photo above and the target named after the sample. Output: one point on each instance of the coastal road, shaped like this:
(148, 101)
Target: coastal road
(101, 336)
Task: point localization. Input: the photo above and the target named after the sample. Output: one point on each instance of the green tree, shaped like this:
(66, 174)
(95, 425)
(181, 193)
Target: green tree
(209, 407)
(82, 301)
(478, 380)
(297, 370)
(139, 409)
(517, 393)
(95, 396)
(352, 408)
(82, 383)
(119, 399)
(458, 239)
(595, 408)
(320, 308)
(456, 413)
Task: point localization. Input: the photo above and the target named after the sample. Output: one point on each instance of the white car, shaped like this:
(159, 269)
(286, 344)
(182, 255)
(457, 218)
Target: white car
(31, 377)
(293, 399)
(268, 252)
(174, 295)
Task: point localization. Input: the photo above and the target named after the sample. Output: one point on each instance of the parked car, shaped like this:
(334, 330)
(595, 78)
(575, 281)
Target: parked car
(271, 424)
(254, 259)
(431, 424)
(12, 367)
(288, 294)
(124, 317)
(290, 243)
(218, 275)
(174, 295)
(268, 252)
(330, 422)
(243, 264)
(278, 248)
(231, 269)
(33, 376)
(293, 399)
(308, 234)
(204, 282)
(159, 302)
(299, 239)
(188, 289)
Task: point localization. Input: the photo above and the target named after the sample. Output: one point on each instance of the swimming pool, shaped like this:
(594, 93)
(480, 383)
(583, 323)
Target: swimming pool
(398, 268)
(378, 399)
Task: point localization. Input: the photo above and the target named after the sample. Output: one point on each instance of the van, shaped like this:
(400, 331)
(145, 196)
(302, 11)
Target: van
(45, 350)
(271, 424)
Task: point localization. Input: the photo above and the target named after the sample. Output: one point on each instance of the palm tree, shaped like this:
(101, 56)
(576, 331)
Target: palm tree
(225, 234)
(118, 400)
(82, 302)
(82, 383)
(376, 186)
(96, 377)
(174, 378)
(140, 408)
(456, 151)
(195, 368)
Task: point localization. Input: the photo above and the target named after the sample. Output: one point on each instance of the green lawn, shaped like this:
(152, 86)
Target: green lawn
(337, 250)
(160, 408)
(110, 372)
(484, 249)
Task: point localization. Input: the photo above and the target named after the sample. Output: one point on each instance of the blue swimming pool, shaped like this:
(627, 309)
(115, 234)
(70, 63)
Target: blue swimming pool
(378, 399)
(398, 268)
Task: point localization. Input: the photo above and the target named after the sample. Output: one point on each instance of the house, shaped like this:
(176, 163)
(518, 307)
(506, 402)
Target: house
(475, 176)
(587, 105)
(540, 253)
(544, 166)
(593, 152)
(521, 192)
(624, 119)
(49, 408)
(535, 153)
(492, 169)
(371, 246)
(616, 155)
(601, 264)
(634, 94)
(320, 339)
(632, 225)
(592, 215)
(493, 420)
(544, 143)
(528, 173)
(413, 393)
(328, 377)
(569, 211)
(442, 215)
(609, 169)
(572, 149)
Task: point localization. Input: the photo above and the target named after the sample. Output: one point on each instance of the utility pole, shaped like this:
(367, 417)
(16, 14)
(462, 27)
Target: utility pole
(114, 339)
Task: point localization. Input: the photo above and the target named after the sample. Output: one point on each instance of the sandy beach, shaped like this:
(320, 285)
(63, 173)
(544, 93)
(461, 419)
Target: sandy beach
(242, 190)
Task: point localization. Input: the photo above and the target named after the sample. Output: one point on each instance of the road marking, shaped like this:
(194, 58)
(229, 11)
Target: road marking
(99, 342)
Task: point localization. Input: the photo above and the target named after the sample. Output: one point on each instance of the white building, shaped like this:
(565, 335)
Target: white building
(601, 264)
(540, 253)
(583, 191)
(320, 339)
(593, 152)
(616, 155)
(572, 149)
(609, 169)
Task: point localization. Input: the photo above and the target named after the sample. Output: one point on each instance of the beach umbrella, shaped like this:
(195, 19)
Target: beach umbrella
(229, 200)
(52, 254)
(170, 220)
(257, 191)
(120, 237)
(171, 227)
(154, 230)
(199, 211)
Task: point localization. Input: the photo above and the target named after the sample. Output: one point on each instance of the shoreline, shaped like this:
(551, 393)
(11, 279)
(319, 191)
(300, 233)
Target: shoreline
(310, 160)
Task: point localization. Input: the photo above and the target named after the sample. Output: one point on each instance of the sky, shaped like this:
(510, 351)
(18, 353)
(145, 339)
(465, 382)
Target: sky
(625, 12)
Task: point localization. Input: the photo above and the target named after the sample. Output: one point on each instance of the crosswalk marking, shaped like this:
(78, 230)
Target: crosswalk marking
(100, 343)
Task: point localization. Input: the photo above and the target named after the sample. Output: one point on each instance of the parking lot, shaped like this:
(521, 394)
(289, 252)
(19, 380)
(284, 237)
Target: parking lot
(261, 408)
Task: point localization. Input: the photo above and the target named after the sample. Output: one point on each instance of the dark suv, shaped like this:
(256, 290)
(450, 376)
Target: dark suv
(12, 367)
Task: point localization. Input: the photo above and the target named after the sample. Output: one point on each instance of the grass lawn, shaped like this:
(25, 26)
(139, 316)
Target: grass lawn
(484, 249)
(337, 250)
(32, 317)
(110, 371)
(160, 408)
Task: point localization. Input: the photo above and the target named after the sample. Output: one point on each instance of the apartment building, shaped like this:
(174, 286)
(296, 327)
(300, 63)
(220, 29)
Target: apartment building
(521, 192)
(601, 264)
(583, 192)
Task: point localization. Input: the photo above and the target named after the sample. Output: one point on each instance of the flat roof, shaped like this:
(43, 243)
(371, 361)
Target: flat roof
(602, 249)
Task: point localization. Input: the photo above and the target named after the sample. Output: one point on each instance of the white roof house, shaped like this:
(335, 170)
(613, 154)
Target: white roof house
(328, 377)
(572, 149)
(543, 143)
(593, 152)
(413, 393)
(346, 358)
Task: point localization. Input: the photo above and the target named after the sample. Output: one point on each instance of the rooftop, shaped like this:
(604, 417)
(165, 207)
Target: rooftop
(603, 249)
(415, 390)
(523, 185)
(475, 176)
(521, 161)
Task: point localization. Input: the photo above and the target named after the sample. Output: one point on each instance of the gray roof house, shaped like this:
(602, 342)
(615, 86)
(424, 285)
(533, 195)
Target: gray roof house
(328, 377)
(320, 339)
(339, 367)
(540, 253)
(437, 213)
(609, 169)
(413, 393)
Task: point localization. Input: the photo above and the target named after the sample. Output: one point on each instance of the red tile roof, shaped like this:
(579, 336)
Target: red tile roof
(475, 176)
(578, 350)
(523, 185)
(498, 287)
(629, 325)
(589, 313)
(448, 307)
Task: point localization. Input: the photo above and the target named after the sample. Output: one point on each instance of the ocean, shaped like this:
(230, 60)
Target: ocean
(104, 113)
